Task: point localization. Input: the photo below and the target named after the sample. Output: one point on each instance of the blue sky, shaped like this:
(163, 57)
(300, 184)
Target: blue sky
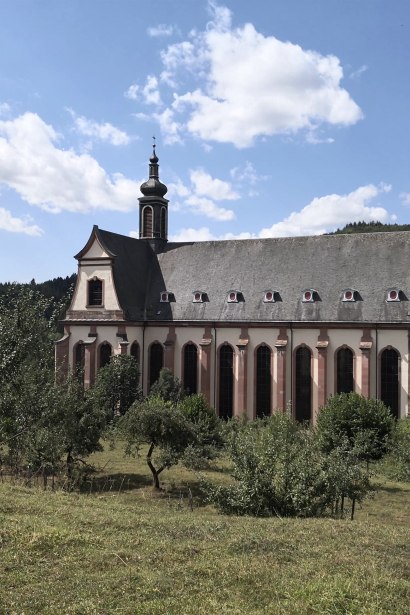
(272, 118)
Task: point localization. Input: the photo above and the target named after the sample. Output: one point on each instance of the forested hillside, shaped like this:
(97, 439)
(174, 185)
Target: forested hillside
(370, 227)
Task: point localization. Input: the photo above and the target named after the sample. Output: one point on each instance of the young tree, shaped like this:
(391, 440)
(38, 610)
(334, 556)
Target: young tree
(168, 387)
(366, 425)
(207, 433)
(163, 427)
(117, 386)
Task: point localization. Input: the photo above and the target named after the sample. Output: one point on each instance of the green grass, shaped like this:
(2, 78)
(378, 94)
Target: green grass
(120, 548)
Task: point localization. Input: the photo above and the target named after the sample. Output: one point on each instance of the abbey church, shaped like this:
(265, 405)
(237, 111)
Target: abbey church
(254, 325)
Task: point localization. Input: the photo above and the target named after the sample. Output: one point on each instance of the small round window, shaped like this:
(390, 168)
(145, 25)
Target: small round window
(164, 296)
(348, 295)
(197, 297)
(269, 296)
(232, 296)
(307, 296)
(393, 295)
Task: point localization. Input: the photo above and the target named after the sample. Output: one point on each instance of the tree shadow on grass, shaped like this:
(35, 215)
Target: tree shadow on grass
(115, 483)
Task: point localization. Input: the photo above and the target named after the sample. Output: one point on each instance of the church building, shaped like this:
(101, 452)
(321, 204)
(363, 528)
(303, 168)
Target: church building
(254, 325)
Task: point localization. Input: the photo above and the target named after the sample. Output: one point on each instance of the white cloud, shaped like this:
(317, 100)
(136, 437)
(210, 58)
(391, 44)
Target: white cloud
(206, 207)
(200, 196)
(132, 92)
(359, 72)
(102, 132)
(150, 91)
(55, 179)
(405, 198)
(213, 188)
(4, 109)
(321, 215)
(18, 225)
(247, 174)
(160, 30)
(327, 213)
(169, 127)
(192, 234)
(251, 85)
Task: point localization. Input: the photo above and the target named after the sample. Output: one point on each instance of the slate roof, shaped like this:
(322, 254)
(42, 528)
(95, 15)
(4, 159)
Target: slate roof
(370, 263)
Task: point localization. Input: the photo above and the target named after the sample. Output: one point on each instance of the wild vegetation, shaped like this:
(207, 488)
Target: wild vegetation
(82, 530)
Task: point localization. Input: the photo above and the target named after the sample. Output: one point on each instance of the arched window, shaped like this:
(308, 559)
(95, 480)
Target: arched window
(344, 371)
(163, 227)
(95, 292)
(303, 384)
(263, 381)
(156, 362)
(105, 354)
(389, 380)
(79, 360)
(190, 368)
(135, 351)
(147, 221)
(226, 356)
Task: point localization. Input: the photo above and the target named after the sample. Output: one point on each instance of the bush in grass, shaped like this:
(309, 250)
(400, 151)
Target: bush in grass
(207, 438)
(350, 420)
(168, 387)
(400, 452)
(279, 469)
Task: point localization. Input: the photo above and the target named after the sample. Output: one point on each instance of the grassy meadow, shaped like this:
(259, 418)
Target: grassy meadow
(118, 547)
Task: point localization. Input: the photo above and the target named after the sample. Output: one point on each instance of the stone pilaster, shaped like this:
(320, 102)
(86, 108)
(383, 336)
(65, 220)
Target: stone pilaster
(365, 346)
(205, 346)
(281, 346)
(322, 345)
(242, 382)
(169, 355)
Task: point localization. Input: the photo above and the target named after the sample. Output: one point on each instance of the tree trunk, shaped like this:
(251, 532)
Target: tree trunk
(155, 473)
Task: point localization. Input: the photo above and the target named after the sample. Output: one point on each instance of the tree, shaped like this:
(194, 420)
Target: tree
(168, 387)
(161, 425)
(26, 365)
(207, 440)
(364, 425)
(117, 386)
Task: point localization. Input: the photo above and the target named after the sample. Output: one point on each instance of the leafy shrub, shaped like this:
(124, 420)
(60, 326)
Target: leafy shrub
(400, 452)
(349, 420)
(168, 387)
(207, 438)
(279, 469)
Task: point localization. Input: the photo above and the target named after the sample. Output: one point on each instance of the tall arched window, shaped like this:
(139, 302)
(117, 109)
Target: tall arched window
(263, 381)
(344, 371)
(147, 221)
(389, 380)
(163, 228)
(135, 351)
(156, 362)
(226, 357)
(79, 360)
(303, 384)
(190, 368)
(105, 354)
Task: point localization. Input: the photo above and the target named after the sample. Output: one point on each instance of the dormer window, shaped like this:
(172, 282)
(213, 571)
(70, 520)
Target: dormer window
(393, 295)
(198, 296)
(234, 296)
(269, 296)
(165, 296)
(349, 295)
(308, 295)
(95, 292)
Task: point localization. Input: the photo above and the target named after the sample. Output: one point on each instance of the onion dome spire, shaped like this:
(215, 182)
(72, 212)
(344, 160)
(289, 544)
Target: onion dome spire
(153, 187)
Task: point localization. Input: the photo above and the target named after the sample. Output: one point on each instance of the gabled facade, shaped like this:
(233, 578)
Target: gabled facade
(275, 321)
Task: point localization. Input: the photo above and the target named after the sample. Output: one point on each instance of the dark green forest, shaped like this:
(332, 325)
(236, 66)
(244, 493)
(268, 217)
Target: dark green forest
(370, 227)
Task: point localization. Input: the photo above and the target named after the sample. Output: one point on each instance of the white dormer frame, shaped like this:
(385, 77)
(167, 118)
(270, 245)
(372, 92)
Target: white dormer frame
(269, 296)
(349, 295)
(165, 296)
(198, 296)
(308, 295)
(393, 295)
(233, 296)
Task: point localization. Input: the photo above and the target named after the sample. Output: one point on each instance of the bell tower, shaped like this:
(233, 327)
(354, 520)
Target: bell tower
(154, 208)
